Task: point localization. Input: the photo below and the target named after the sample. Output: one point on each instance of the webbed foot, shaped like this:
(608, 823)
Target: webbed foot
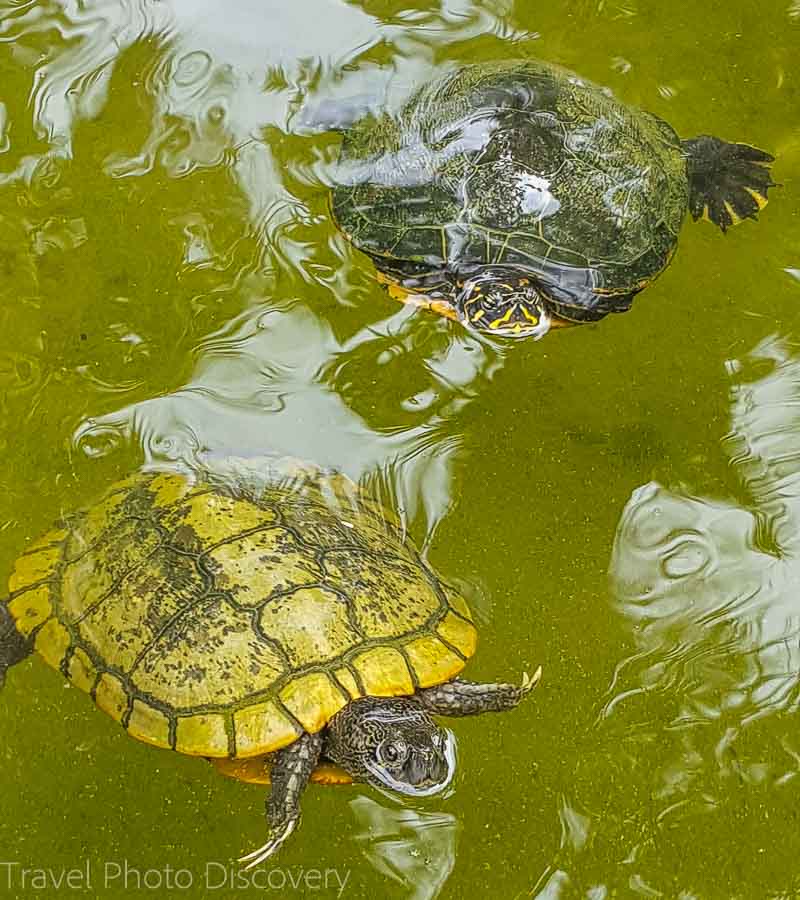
(727, 182)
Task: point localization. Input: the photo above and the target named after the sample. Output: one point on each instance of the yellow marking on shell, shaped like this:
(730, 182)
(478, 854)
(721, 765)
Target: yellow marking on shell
(313, 700)
(459, 634)
(202, 735)
(433, 663)
(212, 657)
(479, 315)
(735, 218)
(345, 678)
(760, 199)
(311, 625)
(111, 696)
(82, 672)
(123, 625)
(88, 579)
(393, 289)
(31, 608)
(249, 771)
(384, 672)
(443, 308)
(56, 536)
(257, 771)
(396, 292)
(215, 517)
(254, 566)
(83, 585)
(52, 642)
(503, 319)
(169, 488)
(457, 602)
(262, 728)
(388, 598)
(328, 773)
(34, 566)
(149, 725)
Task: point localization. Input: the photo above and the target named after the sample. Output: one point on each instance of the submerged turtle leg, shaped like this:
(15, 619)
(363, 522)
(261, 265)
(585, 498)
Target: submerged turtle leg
(290, 772)
(727, 182)
(13, 646)
(470, 698)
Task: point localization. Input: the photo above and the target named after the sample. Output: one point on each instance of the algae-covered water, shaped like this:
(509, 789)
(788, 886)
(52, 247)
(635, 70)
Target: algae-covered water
(619, 502)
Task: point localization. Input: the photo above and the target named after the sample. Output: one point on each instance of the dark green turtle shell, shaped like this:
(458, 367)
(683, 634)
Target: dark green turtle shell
(519, 164)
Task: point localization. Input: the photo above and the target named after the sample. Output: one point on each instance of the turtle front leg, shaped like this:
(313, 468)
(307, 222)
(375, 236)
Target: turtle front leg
(13, 646)
(470, 698)
(289, 774)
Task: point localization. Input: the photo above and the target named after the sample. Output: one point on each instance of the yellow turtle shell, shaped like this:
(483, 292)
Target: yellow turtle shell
(221, 624)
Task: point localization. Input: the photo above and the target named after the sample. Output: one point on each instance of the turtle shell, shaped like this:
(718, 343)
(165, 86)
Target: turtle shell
(519, 164)
(224, 625)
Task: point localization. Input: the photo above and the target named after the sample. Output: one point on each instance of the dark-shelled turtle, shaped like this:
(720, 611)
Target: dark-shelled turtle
(514, 196)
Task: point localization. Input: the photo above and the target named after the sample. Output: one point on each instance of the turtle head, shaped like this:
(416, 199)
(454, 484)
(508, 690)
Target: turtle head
(504, 302)
(391, 742)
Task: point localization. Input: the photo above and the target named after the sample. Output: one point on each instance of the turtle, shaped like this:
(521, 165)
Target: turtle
(516, 196)
(292, 630)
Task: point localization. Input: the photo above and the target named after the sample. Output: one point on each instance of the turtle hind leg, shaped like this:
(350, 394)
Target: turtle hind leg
(727, 182)
(13, 646)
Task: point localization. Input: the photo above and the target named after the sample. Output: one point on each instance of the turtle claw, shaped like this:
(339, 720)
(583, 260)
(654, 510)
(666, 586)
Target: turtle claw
(529, 682)
(264, 852)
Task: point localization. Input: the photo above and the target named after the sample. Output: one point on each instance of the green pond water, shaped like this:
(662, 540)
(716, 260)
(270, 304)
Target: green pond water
(171, 288)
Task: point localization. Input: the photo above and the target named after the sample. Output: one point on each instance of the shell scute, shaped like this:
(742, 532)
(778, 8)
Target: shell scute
(221, 625)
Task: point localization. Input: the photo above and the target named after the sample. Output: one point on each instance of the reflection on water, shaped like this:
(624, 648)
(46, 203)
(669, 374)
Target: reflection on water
(413, 848)
(276, 379)
(710, 586)
(698, 727)
(172, 289)
(223, 89)
(202, 103)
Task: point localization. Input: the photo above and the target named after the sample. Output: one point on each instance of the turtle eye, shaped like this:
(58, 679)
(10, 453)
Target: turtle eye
(393, 752)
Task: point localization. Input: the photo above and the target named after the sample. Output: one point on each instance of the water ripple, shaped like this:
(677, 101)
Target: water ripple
(270, 380)
(710, 585)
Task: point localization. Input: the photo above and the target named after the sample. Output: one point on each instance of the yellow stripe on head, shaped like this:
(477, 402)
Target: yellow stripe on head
(503, 319)
(530, 316)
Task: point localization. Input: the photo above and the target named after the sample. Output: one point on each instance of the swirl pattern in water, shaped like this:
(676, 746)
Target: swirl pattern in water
(174, 289)
(709, 586)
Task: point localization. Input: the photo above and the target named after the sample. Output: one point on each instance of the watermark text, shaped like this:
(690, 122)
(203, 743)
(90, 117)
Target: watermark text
(89, 876)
